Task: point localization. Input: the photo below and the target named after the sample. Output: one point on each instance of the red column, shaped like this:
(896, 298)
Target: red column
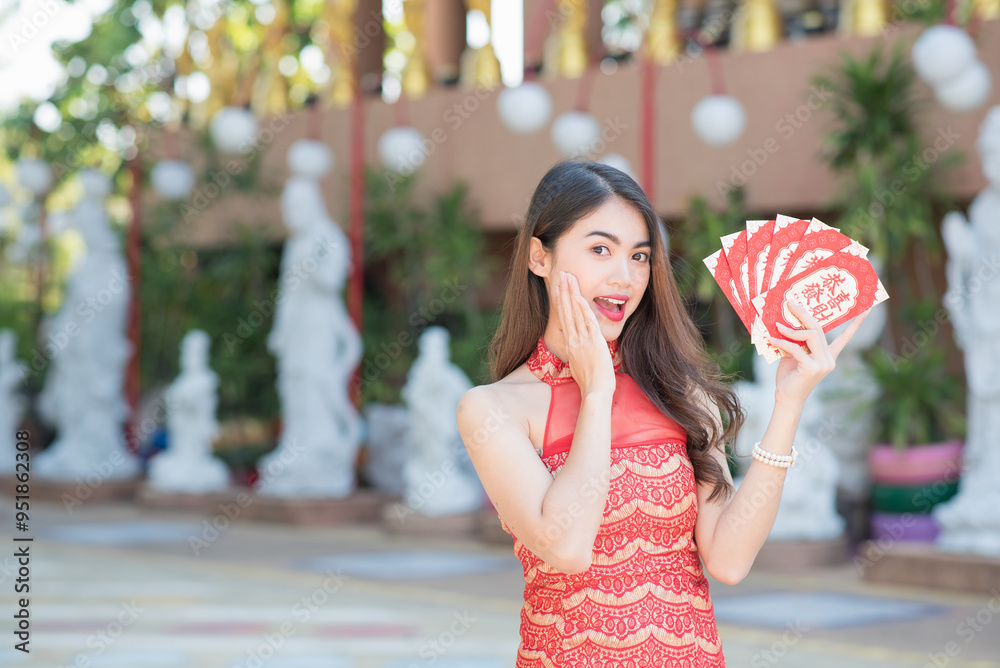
(357, 224)
(132, 374)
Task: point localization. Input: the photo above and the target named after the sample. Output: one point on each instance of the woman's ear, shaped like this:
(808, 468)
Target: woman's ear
(539, 259)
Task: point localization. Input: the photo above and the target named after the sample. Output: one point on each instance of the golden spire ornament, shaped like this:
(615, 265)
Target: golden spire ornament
(662, 39)
(416, 79)
(566, 48)
(984, 10)
(270, 90)
(223, 74)
(865, 18)
(341, 50)
(756, 26)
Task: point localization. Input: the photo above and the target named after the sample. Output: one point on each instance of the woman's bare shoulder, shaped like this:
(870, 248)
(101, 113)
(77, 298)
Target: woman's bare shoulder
(507, 393)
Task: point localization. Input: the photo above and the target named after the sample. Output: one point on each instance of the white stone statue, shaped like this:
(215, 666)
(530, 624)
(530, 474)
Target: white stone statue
(969, 521)
(12, 373)
(436, 483)
(315, 342)
(188, 466)
(807, 509)
(847, 399)
(387, 445)
(88, 352)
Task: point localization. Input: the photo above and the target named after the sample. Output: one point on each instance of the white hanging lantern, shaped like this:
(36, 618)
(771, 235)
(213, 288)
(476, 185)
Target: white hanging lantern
(525, 109)
(310, 158)
(620, 162)
(968, 90)
(34, 174)
(95, 183)
(402, 149)
(941, 53)
(718, 120)
(576, 133)
(172, 179)
(233, 129)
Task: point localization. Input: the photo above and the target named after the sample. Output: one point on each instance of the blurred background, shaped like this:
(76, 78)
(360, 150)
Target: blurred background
(252, 253)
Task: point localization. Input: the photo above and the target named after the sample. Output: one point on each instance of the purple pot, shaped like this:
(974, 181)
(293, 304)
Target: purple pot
(904, 527)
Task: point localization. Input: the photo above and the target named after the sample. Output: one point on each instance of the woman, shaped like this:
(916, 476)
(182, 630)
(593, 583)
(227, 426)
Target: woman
(601, 443)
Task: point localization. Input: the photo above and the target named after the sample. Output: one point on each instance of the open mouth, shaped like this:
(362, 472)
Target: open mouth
(612, 309)
(609, 305)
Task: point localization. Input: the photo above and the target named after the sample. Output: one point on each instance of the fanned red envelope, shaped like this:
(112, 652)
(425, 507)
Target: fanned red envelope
(762, 268)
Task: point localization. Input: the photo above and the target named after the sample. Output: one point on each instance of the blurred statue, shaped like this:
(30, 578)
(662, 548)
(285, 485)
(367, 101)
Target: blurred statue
(188, 465)
(388, 446)
(88, 353)
(315, 342)
(807, 508)
(12, 373)
(969, 521)
(436, 483)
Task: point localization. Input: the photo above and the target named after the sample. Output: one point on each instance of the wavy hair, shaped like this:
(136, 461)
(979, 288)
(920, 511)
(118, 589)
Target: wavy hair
(660, 345)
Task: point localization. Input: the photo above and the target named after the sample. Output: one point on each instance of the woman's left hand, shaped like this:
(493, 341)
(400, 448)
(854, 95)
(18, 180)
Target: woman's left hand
(800, 371)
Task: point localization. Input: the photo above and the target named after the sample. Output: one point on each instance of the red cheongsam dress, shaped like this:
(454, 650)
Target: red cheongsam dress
(644, 602)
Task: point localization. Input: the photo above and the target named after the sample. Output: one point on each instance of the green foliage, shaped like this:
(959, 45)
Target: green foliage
(928, 12)
(890, 192)
(695, 238)
(227, 292)
(425, 264)
(17, 307)
(920, 402)
(890, 201)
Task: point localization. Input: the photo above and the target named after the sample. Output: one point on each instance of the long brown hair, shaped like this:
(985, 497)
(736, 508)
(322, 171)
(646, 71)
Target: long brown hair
(661, 347)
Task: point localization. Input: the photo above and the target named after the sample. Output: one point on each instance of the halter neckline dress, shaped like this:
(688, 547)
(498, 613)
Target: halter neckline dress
(644, 602)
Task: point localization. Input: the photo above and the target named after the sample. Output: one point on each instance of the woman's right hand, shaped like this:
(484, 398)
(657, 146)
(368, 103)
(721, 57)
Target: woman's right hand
(588, 354)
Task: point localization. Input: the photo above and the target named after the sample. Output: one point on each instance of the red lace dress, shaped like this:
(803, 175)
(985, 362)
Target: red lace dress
(644, 601)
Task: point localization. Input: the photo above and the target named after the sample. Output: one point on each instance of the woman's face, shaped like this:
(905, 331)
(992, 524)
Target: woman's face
(608, 252)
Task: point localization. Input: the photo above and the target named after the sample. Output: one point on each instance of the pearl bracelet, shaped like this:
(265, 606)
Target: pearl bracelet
(780, 461)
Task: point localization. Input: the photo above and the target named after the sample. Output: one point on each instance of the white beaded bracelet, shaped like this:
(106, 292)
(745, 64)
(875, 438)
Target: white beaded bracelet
(780, 461)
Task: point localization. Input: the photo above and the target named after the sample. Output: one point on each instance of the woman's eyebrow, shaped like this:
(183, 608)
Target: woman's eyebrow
(618, 242)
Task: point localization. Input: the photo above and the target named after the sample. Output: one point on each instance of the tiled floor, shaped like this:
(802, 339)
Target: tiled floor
(116, 585)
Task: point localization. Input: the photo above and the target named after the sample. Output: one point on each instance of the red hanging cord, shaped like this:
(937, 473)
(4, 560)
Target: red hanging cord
(133, 373)
(586, 85)
(949, 13)
(401, 110)
(357, 219)
(314, 120)
(714, 61)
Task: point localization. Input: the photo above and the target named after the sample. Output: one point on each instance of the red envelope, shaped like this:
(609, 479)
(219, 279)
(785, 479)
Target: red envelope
(759, 233)
(835, 290)
(719, 266)
(734, 247)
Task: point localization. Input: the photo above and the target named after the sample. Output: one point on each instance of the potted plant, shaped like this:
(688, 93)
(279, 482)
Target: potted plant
(920, 421)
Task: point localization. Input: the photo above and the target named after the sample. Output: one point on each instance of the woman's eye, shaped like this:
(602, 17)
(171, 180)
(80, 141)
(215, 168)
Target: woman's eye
(595, 249)
(645, 256)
